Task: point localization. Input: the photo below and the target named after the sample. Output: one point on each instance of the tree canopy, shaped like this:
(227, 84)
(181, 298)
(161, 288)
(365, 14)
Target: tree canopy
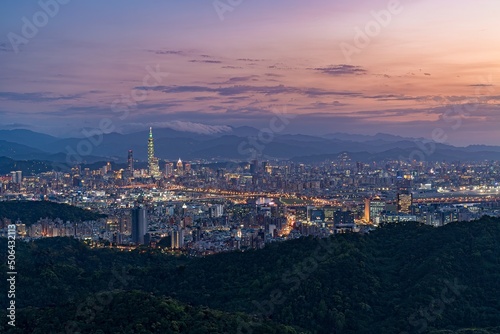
(401, 278)
(29, 212)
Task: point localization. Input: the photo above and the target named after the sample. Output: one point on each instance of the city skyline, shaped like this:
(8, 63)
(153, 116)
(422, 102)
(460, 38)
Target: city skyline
(250, 166)
(405, 68)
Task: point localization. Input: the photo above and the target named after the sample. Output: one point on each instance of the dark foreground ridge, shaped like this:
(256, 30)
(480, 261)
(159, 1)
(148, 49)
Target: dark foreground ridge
(29, 212)
(404, 278)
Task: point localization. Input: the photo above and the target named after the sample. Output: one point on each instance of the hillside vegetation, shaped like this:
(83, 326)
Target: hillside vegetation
(403, 278)
(29, 212)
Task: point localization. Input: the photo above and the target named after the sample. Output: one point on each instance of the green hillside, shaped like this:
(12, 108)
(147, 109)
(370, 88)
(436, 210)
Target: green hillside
(30, 212)
(134, 312)
(404, 278)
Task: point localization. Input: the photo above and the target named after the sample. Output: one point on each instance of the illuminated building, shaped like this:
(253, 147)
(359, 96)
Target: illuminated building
(405, 198)
(139, 225)
(180, 166)
(344, 221)
(343, 218)
(17, 177)
(373, 208)
(404, 203)
(154, 169)
(130, 161)
(169, 168)
(317, 216)
(216, 211)
(178, 239)
(397, 218)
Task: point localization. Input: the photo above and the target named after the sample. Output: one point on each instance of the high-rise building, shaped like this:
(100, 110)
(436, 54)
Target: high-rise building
(404, 197)
(139, 225)
(329, 212)
(151, 147)
(169, 168)
(76, 170)
(264, 166)
(180, 166)
(13, 177)
(403, 184)
(373, 208)
(344, 221)
(254, 167)
(16, 176)
(343, 218)
(104, 170)
(178, 238)
(154, 169)
(196, 234)
(216, 210)
(405, 202)
(130, 162)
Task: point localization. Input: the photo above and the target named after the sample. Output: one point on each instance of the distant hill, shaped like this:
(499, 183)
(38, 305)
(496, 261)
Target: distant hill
(30, 138)
(480, 148)
(364, 138)
(400, 278)
(232, 143)
(29, 212)
(404, 154)
(29, 167)
(11, 149)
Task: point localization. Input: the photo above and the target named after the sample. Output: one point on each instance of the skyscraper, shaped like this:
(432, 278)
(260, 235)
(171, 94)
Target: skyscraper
(154, 169)
(169, 168)
(405, 202)
(404, 195)
(177, 238)
(139, 225)
(180, 167)
(131, 162)
(151, 147)
(373, 208)
(16, 177)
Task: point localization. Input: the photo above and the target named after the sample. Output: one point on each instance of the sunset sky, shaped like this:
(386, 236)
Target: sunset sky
(428, 65)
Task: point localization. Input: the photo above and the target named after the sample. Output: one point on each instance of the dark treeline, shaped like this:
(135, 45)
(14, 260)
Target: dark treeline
(29, 212)
(403, 278)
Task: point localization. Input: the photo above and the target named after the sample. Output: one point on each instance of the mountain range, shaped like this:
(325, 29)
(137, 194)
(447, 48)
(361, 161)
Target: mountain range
(237, 143)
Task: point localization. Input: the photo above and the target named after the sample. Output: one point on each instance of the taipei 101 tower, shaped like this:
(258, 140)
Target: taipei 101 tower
(154, 169)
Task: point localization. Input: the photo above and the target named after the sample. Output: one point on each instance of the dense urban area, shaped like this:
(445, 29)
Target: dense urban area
(206, 207)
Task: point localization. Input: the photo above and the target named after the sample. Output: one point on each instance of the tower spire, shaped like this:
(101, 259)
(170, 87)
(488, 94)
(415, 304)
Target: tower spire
(152, 160)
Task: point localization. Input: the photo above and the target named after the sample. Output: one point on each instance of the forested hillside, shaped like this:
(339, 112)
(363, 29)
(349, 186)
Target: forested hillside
(404, 278)
(29, 212)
